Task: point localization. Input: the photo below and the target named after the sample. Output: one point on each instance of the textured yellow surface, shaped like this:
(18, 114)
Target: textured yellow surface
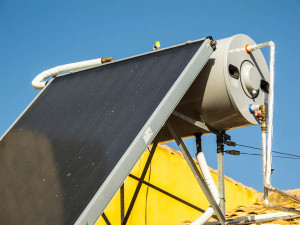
(170, 172)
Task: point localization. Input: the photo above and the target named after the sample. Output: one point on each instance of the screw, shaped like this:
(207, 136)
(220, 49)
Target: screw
(213, 43)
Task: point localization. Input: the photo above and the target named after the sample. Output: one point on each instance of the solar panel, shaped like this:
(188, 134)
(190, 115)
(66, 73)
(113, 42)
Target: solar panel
(69, 152)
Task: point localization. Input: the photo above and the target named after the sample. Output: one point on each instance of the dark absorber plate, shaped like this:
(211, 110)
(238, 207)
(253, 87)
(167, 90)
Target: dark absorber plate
(61, 150)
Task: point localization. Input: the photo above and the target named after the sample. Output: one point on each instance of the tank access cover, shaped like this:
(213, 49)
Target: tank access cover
(68, 153)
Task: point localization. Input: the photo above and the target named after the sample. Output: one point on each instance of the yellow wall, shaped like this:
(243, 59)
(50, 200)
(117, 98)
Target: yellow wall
(171, 173)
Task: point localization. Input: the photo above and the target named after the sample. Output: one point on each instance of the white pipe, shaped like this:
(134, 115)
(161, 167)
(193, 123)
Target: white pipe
(270, 113)
(211, 185)
(258, 46)
(267, 145)
(264, 159)
(267, 142)
(257, 219)
(38, 82)
(268, 154)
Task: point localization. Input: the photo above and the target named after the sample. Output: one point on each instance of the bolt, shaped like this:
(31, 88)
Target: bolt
(213, 43)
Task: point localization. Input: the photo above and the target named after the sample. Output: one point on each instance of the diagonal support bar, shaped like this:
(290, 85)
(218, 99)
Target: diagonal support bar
(106, 219)
(122, 198)
(169, 194)
(196, 172)
(138, 188)
(198, 124)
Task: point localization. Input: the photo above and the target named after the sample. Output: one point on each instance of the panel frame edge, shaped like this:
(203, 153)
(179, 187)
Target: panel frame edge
(26, 109)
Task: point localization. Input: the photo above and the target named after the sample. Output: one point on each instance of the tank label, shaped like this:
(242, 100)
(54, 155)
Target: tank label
(147, 135)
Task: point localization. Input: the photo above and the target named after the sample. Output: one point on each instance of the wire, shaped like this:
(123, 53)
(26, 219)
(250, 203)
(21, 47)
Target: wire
(276, 156)
(146, 203)
(147, 192)
(281, 153)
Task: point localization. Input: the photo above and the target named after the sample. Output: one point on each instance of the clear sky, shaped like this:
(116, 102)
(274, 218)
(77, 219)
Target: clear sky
(38, 35)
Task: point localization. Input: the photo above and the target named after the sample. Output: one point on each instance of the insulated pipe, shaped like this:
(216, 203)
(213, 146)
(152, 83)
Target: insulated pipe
(267, 141)
(212, 186)
(258, 219)
(38, 82)
(264, 158)
(270, 114)
(267, 183)
(268, 154)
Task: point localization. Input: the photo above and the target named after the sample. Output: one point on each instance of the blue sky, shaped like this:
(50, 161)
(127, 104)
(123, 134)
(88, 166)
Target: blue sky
(38, 35)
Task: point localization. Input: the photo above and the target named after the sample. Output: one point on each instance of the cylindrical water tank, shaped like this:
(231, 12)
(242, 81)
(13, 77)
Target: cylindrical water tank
(231, 80)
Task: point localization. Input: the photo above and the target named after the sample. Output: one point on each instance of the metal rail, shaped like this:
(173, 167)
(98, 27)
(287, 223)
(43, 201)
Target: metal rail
(259, 219)
(221, 181)
(122, 197)
(106, 219)
(196, 172)
(199, 124)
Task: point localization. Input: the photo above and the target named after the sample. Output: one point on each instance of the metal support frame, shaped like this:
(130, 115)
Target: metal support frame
(221, 182)
(169, 194)
(138, 188)
(122, 197)
(199, 124)
(196, 172)
(106, 219)
(192, 121)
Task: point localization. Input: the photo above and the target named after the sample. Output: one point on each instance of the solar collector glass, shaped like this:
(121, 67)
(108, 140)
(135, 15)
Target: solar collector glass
(57, 155)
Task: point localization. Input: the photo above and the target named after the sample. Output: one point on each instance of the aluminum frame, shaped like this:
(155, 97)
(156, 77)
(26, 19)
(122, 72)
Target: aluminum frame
(196, 172)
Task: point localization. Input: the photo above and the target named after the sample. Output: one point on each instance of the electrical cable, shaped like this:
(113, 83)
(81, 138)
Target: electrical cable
(146, 203)
(281, 153)
(276, 156)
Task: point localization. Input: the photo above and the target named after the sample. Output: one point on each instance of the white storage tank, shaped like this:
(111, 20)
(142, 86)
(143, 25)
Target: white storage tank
(231, 80)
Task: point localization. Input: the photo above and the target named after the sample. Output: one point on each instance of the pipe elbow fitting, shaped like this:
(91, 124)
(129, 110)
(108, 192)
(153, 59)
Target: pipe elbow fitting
(38, 82)
(38, 85)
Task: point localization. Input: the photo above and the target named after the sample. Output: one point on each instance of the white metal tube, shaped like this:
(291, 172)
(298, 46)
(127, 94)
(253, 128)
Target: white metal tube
(267, 141)
(267, 156)
(258, 46)
(257, 219)
(38, 82)
(270, 113)
(211, 185)
(264, 159)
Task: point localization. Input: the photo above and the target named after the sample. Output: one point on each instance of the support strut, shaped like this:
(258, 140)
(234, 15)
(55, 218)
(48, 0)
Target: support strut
(196, 172)
(221, 182)
(138, 188)
(122, 197)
